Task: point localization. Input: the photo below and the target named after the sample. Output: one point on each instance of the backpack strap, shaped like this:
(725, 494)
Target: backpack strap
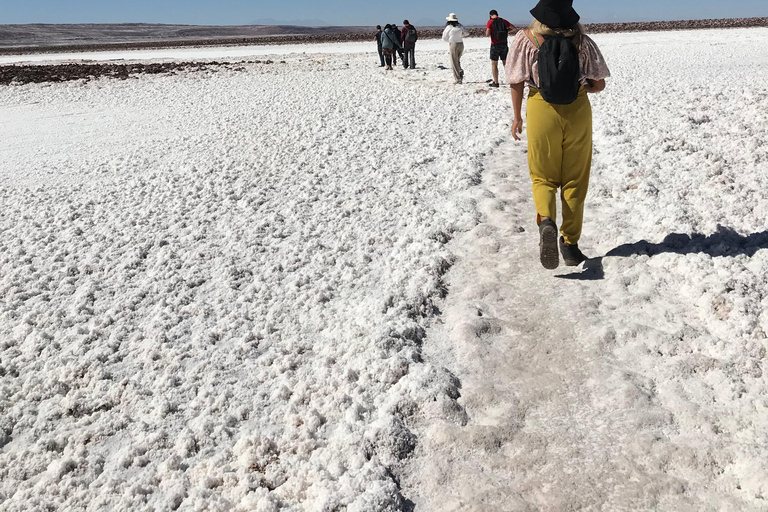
(536, 39)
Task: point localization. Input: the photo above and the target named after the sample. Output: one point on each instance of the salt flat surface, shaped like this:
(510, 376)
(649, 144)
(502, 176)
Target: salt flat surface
(223, 290)
(227, 52)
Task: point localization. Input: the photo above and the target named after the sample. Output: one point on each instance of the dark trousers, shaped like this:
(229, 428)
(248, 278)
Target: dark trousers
(409, 57)
(381, 56)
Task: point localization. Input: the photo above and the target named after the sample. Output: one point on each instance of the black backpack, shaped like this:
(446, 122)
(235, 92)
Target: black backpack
(559, 70)
(500, 32)
(410, 35)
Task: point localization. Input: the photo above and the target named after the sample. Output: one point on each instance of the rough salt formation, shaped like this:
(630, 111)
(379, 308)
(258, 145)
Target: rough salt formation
(214, 286)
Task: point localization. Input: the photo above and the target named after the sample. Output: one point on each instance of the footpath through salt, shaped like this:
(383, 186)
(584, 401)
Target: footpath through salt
(638, 381)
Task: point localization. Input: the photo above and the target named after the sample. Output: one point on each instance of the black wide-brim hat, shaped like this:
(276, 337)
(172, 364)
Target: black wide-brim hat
(556, 13)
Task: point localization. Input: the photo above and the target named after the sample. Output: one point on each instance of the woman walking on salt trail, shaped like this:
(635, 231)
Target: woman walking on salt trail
(388, 45)
(560, 65)
(454, 34)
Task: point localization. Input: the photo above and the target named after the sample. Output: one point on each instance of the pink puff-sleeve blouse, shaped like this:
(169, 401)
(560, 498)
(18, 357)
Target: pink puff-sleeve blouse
(523, 61)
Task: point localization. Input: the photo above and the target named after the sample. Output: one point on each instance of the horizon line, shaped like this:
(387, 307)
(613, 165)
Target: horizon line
(349, 26)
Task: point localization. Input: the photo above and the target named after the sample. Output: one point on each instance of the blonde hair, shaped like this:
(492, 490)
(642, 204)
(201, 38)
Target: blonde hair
(577, 31)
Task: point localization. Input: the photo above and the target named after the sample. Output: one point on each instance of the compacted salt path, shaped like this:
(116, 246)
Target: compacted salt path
(638, 380)
(312, 285)
(552, 420)
(566, 406)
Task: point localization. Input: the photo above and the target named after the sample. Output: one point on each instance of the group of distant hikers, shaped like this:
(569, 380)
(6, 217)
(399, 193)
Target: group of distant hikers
(560, 64)
(392, 42)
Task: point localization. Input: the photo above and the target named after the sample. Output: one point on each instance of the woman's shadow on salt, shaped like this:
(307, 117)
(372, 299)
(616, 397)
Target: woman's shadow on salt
(725, 242)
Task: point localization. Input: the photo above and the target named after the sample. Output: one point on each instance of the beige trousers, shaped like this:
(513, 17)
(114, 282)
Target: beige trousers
(456, 50)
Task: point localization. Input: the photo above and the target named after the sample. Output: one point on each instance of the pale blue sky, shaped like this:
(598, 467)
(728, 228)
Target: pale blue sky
(348, 12)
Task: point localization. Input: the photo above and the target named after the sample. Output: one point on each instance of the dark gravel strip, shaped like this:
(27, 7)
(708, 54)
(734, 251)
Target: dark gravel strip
(655, 26)
(25, 74)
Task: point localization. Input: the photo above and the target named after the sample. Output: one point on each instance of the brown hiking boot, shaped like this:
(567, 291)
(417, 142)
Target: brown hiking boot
(572, 255)
(548, 254)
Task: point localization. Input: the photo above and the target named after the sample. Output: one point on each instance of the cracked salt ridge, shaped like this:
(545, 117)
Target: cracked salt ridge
(637, 382)
(215, 286)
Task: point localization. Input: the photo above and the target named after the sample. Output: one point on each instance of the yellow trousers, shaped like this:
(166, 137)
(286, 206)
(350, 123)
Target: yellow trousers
(559, 157)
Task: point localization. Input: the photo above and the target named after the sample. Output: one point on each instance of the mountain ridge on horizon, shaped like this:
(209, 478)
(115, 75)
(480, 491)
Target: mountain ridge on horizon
(291, 23)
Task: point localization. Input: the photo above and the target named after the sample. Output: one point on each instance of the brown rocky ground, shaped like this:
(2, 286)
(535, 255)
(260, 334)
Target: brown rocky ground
(25, 74)
(22, 74)
(653, 26)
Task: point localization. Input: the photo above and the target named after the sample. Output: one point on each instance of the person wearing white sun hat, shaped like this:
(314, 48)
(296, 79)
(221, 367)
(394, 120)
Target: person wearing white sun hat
(454, 35)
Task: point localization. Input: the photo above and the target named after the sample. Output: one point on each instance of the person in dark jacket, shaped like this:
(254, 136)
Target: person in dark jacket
(399, 48)
(389, 45)
(409, 36)
(377, 38)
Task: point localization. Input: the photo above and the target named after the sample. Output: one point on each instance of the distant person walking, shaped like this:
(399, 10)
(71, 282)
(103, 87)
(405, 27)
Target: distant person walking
(560, 65)
(498, 29)
(377, 38)
(409, 36)
(454, 35)
(389, 45)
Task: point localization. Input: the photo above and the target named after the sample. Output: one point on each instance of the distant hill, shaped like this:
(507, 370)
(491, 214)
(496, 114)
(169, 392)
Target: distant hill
(48, 35)
(298, 23)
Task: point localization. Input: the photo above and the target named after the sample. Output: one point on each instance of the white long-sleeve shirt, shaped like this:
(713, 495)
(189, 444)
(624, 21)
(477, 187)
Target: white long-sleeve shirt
(456, 34)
